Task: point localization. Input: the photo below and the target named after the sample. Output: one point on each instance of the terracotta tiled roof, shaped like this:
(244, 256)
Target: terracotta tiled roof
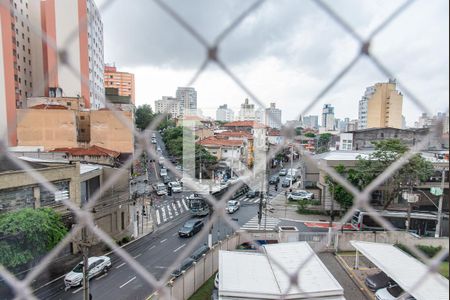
(92, 151)
(214, 141)
(253, 124)
(274, 132)
(234, 134)
(49, 106)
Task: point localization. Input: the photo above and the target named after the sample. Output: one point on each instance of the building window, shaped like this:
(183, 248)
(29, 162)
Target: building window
(382, 135)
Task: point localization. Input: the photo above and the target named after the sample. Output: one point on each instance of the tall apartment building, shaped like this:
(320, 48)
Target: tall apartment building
(122, 81)
(247, 112)
(381, 106)
(168, 105)
(187, 97)
(84, 52)
(311, 121)
(224, 114)
(273, 116)
(328, 122)
(31, 67)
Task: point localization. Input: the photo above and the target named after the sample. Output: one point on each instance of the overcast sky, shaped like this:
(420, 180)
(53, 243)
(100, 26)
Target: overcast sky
(284, 52)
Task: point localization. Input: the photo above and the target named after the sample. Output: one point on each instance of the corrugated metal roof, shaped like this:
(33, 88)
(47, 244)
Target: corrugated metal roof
(404, 269)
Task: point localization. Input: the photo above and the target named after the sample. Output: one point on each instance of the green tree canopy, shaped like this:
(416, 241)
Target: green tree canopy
(27, 234)
(143, 116)
(310, 135)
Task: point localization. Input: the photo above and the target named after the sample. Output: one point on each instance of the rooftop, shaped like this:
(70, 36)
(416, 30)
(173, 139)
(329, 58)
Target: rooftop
(91, 151)
(50, 106)
(214, 141)
(7, 165)
(252, 124)
(234, 134)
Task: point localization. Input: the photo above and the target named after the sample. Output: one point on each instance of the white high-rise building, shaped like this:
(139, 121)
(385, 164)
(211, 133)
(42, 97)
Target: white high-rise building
(363, 107)
(328, 122)
(224, 114)
(273, 116)
(168, 105)
(187, 97)
(247, 112)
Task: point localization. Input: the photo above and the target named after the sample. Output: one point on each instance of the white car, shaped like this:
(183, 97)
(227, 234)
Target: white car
(216, 281)
(176, 187)
(163, 172)
(232, 206)
(158, 149)
(153, 140)
(300, 195)
(392, 292)
(161, 160)
(161, 189)
(97, 265)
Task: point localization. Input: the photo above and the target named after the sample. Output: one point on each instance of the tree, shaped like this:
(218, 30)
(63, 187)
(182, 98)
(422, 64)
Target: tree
(144, 116)
(387, 152)
(324, 142)
(310, 135)
(340, 194)
(28, 234)
(298, 130)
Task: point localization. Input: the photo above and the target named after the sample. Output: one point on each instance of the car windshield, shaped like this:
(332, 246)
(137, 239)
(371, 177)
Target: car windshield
(175, 184)
(78, 268)
(395, 290)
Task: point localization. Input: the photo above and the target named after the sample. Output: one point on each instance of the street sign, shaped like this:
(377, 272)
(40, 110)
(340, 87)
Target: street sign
(436, 191)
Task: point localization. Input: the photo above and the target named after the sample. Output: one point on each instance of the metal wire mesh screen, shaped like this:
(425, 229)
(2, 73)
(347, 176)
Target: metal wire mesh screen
(22, 288)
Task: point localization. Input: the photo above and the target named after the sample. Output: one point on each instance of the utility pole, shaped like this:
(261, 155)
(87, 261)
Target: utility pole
(85, 251)
(441, 199)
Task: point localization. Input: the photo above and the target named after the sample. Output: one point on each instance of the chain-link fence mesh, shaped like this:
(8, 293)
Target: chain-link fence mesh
(84, 218)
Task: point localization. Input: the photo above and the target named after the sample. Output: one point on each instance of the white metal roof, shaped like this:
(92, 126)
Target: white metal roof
(253, 275)
(86, 168)
(404, 269)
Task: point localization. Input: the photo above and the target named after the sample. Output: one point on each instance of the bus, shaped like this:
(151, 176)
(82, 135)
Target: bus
(423, 223)
(199, 206)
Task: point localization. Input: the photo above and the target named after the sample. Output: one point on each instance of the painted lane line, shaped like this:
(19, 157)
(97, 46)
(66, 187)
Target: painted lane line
(179, 206)
(175, 209)
(176, 233)
(179, 248)
(103, 275)
(163, 241)
(77, 290)
(170, 211)
(158, 219)
(127, 282)
(164, 214)
(121, 265)
(151, 247)
(184, 204)
(137, 255)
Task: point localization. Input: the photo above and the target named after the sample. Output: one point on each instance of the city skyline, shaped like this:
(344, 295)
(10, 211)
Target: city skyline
(298, 70)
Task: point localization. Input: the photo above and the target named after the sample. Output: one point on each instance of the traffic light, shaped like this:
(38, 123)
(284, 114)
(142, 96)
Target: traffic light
(169, 190)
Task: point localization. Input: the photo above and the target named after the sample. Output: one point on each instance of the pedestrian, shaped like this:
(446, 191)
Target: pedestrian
(276, 187)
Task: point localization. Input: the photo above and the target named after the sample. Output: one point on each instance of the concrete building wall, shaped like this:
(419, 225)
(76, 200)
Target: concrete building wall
(121, 80)
(48, 128)
(384, 107)
(109, 132)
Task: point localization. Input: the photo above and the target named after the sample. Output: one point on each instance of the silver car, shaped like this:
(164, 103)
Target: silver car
(300, 195)
(96, 266)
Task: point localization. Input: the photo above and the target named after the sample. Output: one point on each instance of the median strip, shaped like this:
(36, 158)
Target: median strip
(179, 248)
(127, 282)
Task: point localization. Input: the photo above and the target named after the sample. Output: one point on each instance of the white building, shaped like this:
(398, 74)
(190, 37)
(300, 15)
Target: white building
(224, 114)
(328, 122)
(247, 112)
(273, 116)
(364, 106)
(346, 141)
(187, 97)
(311, 122)
(168, 105)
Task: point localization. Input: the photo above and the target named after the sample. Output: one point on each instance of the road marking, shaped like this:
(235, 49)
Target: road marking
(184, 204)
(176, 233)
(151, 247)
(170, 211)
(179, 248)
(160, 267)
(158, 219)
(137, 255)
(127, 282)
(163, 241)
(164, 214)
(256, 201)
(121, 265)
(77, 290)
(174, 209)
(104, 274)
(179, 206)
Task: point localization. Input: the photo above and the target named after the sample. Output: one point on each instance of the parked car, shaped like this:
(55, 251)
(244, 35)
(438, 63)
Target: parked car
(286, 183)
(392, 292)
(165, 179)
(300, 195)
(190, 228)
(158, 149)
(252, 194)
(199, 252)
(378, 281)
(185, 264)
(96, 265)
(153, 140)
(176, 187)
(163, 172)
(283, 172)
(161, 160)
(232, 206)
(274, 179)
(154, 135)
(161, 189)
(179, 168)
(290, 177)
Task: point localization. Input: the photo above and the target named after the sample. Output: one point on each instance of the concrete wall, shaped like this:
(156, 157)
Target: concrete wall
(395, 237)
(108, 131)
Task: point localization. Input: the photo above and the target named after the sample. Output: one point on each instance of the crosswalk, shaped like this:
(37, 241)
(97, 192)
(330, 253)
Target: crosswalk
(267, 223)
(173, 209)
